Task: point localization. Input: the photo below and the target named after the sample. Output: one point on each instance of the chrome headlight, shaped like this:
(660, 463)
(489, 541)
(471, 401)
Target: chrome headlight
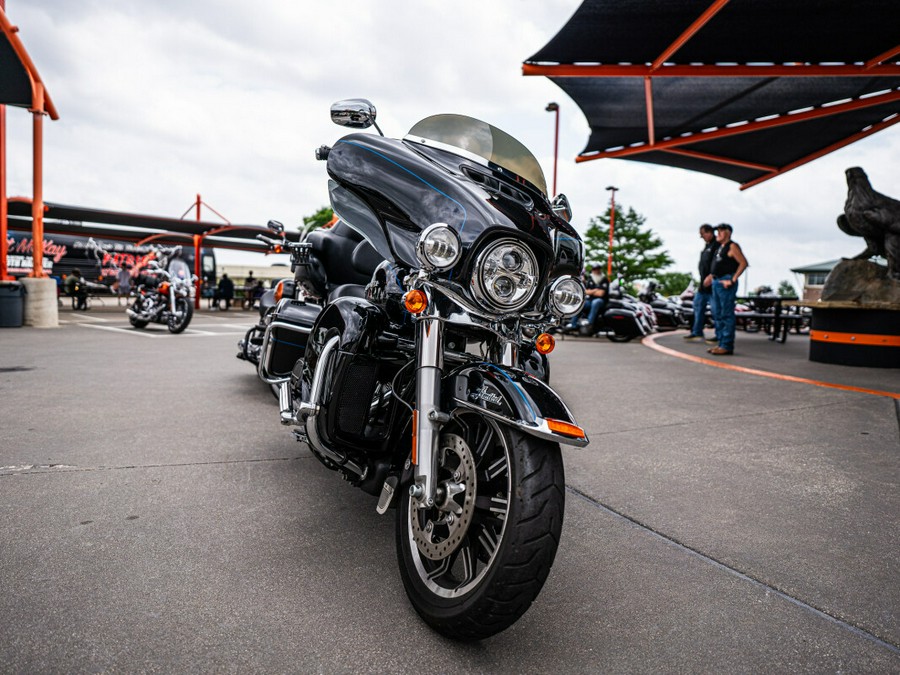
(506, 275)
(438, 247)
(566, 296)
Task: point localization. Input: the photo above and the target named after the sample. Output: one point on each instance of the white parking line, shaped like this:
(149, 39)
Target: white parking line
(189, 332)
(89, 317)
(115, 329)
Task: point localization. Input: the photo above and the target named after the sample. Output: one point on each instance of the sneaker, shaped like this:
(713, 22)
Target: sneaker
(712, 341)
(719, 351)
(693, 337)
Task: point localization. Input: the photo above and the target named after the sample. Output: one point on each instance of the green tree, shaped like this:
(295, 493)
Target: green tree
(673, 283)
(321, 217)
(635, 248)
(786, 289)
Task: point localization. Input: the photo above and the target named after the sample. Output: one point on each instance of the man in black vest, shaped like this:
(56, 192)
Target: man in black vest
(703, 295)
(728, 264)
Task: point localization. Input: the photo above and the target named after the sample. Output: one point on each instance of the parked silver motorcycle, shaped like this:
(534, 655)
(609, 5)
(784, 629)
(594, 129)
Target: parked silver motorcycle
(163, 296)
(413, 381)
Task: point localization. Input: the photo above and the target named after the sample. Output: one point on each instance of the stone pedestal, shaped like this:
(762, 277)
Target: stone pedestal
(41, 309)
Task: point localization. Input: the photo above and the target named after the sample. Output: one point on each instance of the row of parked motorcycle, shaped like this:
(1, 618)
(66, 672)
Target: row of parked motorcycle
(625, 316)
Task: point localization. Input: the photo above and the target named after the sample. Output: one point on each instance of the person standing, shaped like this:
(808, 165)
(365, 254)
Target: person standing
(123, 283)
(703, 295)
(728, 265)
(226, 291)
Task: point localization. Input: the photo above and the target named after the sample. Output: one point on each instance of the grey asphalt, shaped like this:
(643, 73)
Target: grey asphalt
(155, 517)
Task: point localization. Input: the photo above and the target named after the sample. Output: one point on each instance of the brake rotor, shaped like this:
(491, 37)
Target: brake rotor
(439, 530)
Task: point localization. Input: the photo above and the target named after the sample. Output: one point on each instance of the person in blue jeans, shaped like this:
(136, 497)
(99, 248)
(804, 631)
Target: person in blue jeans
(728, 265)
(596, 294)
(703, 295)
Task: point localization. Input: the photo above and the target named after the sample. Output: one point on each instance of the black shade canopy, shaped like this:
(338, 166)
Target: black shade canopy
(20, 83)
(62, 219)
(742, 89)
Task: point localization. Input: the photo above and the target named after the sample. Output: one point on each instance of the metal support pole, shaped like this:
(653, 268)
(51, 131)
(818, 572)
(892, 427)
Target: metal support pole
(198, 239)
(4, 209)
(612, 225)
(37, 202)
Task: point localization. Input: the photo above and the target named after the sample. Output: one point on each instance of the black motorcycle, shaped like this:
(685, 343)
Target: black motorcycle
(402, 358)
(670, 315)
(623, 319)
(163, 296)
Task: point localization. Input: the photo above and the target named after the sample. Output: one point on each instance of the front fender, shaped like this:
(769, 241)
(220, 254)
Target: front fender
(515, 398)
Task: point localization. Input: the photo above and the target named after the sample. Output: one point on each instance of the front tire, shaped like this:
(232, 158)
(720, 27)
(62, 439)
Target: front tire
(178, 322)
(474, 563)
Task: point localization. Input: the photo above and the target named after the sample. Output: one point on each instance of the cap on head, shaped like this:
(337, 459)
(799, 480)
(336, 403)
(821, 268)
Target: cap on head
(724, 226)
(596, 266)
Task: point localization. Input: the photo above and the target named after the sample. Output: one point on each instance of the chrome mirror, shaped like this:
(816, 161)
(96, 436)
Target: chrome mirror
(561, 208)
(275, 226)
(356, 113)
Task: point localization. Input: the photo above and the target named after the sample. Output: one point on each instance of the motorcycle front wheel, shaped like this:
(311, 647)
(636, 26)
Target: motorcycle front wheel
(180, 320)
(474, 563)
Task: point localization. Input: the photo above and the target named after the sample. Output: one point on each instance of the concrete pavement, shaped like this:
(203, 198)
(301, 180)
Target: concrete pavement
(156, 517)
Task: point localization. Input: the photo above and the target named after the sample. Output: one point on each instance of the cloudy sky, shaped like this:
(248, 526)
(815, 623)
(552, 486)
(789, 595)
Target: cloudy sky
(161, 100)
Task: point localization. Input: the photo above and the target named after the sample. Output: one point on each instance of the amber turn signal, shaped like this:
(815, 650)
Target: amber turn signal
(415, 301)
(544, 343)
(279, 291)
(565, 428)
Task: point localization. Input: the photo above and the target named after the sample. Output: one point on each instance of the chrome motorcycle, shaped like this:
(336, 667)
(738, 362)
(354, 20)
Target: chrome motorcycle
(163, 296)
(413, 383)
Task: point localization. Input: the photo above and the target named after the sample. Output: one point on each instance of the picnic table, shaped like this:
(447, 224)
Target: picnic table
(774, 314)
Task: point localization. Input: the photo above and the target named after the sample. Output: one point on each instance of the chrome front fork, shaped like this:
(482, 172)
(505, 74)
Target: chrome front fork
(427, 417)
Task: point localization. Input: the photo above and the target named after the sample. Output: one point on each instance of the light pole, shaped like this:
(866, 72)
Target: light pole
(554, 107)
(612, 225)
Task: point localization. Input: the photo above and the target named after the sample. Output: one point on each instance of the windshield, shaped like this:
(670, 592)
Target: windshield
(457, 133)
(179, 269)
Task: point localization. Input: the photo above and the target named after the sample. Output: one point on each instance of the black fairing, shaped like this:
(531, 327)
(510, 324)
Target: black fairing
(404, 187)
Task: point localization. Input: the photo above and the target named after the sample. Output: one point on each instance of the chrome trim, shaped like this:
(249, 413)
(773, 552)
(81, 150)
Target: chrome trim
(308, 411)
(429, 367)
(475, 283)
(420, 243)
(311, 407)
(553, 287)
(264, 353)
(540, 429)
(509, 355)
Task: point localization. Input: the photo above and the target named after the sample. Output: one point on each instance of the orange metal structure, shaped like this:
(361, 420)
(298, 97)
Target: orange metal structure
(39, 104)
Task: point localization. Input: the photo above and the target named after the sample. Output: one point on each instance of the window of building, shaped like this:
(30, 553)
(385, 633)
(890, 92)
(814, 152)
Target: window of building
(816, 278)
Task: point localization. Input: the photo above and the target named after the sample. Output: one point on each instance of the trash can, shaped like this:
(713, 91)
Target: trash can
(11, 304)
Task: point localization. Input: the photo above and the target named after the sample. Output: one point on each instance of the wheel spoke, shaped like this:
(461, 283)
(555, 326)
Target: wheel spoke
(442, 568)
(489, 540)
(467, 559)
